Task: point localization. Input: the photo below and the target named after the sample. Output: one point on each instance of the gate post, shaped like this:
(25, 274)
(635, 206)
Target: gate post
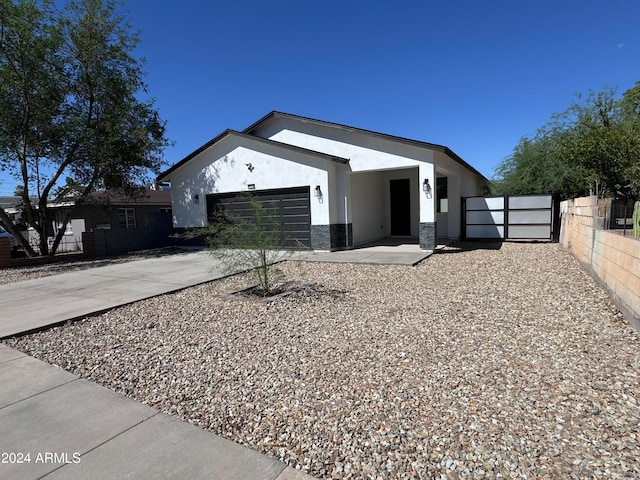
(555, 218)
(506, 217)
(89, 244)
(463, 218)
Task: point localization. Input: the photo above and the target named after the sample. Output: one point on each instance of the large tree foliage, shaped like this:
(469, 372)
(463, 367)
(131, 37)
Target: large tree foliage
(69, 109)
(593, 146)
(604, 139)
(536, 166)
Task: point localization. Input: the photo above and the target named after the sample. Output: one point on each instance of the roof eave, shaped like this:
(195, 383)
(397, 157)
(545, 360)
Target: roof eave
(165, 175)
(419, 143)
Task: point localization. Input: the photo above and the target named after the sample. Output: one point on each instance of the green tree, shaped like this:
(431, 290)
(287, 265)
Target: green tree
(603, 138)
(68, 105)
(593, 145)
(536, 166)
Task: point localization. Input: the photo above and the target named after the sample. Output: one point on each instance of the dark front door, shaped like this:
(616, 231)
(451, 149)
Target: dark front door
(400, 206)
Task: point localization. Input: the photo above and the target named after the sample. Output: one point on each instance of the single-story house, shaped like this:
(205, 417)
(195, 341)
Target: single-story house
(125, 223)
(12, 206)
(336, 186)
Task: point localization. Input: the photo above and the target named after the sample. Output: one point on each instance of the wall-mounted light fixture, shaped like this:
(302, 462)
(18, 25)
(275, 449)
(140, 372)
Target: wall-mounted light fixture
(426, 187)
(317, 192)
(250, 166)
(196, 199)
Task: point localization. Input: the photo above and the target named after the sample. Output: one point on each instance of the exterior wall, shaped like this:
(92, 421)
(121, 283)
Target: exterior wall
(612, 259)
(461, 183)
(427, 235)
(347, 198)
(336, 236)
(369, 153)
(370, 200)
(368, 206)
(152, 229)
(339, 194)
(223, 169)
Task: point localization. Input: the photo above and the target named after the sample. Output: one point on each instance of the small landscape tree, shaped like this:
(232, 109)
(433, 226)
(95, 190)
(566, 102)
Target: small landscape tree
(254, 242)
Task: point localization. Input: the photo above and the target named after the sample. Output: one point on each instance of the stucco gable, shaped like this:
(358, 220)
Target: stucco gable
(263, 128)
(250, 139)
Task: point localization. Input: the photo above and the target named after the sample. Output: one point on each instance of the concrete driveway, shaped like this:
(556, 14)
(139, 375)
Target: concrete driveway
(34, 304)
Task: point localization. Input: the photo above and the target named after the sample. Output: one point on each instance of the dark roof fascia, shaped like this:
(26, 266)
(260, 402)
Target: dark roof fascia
(193, 154)
(408, 141)
(266, 141)
(13, 201)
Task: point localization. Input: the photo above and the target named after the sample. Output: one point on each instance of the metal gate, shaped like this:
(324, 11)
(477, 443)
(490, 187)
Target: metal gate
(514, 217)
(288, 208)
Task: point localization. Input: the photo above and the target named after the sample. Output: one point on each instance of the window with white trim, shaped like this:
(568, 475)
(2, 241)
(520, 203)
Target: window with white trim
(60, 214)
(127, 217)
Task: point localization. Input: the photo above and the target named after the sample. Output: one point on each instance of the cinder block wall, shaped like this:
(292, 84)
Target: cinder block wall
(612, 259)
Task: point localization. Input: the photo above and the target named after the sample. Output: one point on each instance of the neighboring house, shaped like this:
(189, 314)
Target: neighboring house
(12, 206)
(334, 186)
(124, 223)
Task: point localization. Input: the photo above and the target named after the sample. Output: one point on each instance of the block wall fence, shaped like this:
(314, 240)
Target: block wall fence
(612, 259)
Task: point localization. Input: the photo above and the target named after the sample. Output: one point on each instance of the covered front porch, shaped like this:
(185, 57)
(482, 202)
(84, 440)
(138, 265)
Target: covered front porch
(411, 205)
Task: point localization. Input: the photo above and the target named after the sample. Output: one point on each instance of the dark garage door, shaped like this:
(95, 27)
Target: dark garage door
(289, 208)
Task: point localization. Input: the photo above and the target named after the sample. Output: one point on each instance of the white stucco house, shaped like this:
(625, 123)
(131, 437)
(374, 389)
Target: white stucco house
(332, 186)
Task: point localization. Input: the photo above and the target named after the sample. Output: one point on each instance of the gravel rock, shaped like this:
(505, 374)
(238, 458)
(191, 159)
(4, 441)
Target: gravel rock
(478, 363)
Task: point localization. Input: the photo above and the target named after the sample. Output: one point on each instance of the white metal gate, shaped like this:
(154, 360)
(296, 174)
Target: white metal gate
(515, 217)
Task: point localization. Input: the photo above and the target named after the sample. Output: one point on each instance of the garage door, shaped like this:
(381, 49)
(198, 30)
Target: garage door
(288, 209)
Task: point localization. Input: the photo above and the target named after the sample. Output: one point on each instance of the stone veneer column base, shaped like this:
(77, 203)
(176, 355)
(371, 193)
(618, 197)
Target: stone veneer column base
(427, 235)
(336, 236)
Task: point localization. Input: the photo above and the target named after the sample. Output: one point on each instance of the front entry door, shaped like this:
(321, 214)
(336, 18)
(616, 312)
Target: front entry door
(400, 206)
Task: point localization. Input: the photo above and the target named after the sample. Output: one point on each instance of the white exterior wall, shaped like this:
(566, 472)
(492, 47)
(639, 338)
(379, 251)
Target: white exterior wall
(356, 193)
(366, 153)
(427, 202)
(363, 152)
(222, 169)
(461, 183)
(340, 194)
(370, 198)
(369, 205)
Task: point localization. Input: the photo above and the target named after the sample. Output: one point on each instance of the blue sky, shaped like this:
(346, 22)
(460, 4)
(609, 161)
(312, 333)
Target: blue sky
(474, 76)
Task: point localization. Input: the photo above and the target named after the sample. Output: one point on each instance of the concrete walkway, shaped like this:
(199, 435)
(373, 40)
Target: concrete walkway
(57, 426)
(72, 428)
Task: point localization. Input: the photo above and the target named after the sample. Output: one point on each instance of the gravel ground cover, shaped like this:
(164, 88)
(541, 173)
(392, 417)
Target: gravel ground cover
(488, 363)
(41, 267)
